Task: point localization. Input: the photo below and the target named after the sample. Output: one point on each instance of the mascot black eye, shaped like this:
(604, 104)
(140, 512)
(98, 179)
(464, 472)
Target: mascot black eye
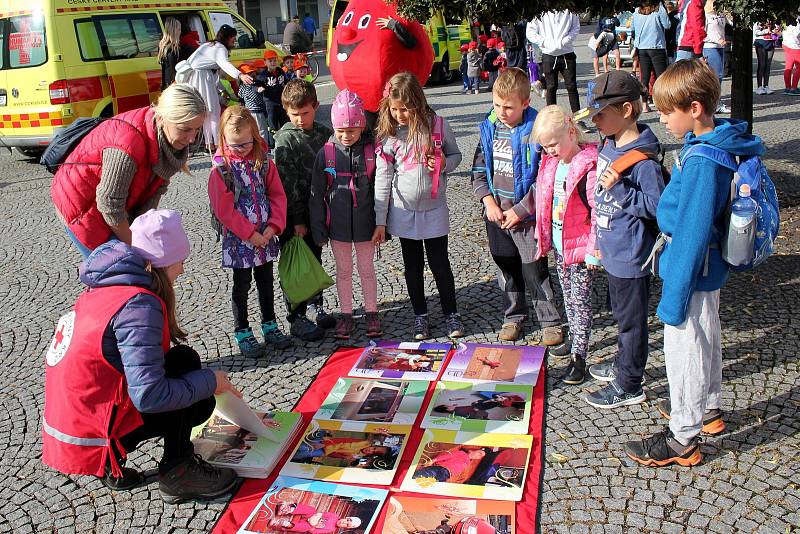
(347, 19)
(363, 22)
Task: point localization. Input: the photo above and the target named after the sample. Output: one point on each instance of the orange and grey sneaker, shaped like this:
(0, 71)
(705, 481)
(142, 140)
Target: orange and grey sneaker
(713, 425)
(663, 449)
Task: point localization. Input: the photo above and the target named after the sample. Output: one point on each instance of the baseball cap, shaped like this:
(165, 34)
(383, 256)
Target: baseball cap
(270, 54)
(491, 43)
(613, 87)
(464, 48)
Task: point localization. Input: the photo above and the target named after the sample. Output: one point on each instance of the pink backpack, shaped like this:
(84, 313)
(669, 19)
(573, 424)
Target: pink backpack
(331, 173)
(437, 137)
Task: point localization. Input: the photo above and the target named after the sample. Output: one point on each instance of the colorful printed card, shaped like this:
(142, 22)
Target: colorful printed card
(486, 407)
(224, 444)
(379, 401)
(466, 464)
(295, 505)
(407, 361)
(513, 364)
(347, 451)
(413, 515)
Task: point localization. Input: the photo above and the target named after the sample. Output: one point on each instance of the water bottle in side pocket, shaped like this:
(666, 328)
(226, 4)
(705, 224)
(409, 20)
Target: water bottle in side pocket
(737, 247)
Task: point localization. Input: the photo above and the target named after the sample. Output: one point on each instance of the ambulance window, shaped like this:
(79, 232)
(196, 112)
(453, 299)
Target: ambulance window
(88, 40)
(2, 43)
(26, 41)
(129, 36)
(244, 37)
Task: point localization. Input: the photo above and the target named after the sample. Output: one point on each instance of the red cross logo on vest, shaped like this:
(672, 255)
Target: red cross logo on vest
(61, 339)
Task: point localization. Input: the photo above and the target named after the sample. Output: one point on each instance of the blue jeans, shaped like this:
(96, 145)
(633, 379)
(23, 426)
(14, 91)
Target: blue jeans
(684, 54)
(306, 452)
(715, 57)
(83, 249)
(467, 81)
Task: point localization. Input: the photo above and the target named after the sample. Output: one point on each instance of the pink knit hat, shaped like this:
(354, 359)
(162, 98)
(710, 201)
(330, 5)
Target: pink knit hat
(158, 237)
(347, 111)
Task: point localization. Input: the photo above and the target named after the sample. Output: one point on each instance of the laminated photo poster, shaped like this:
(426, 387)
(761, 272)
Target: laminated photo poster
(511, 364)
(402, 361)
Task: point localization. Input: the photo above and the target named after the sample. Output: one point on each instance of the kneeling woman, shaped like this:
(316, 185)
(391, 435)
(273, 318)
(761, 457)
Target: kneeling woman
(112, 380)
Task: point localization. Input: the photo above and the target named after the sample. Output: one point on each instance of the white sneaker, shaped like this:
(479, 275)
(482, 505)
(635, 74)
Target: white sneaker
(760, 91)
(722, 108)
(767, 90)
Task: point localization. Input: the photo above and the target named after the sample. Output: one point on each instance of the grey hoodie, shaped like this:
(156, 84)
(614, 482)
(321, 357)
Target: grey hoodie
(410, 183)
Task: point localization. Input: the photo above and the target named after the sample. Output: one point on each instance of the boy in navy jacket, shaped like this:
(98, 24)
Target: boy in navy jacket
(690, 264)
(625, 203)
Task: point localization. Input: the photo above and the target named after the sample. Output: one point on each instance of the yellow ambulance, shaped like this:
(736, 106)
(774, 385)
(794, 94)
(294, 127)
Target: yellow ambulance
(63, 59)
(445, 38)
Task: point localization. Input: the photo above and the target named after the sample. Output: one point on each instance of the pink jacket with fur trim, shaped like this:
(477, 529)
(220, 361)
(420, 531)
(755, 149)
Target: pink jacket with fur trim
(578, 233)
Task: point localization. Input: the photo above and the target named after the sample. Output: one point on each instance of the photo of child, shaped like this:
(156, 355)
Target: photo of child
(493, 363)
(289, 509)
(419, 515)
(371, 401)
(406, 360)
(472, 464)
(339, 448)
(222, 441)
(483, 405)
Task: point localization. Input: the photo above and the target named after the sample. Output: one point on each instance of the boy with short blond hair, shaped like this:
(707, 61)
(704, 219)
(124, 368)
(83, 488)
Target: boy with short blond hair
(625, 198)
(296, 146)
(503, 174)
(690, 263)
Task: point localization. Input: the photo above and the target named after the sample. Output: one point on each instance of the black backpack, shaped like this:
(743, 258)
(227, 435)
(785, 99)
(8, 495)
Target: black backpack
(508, 34)
(65, 141)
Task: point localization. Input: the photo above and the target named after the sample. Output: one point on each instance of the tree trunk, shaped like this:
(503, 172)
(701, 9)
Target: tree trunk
(742, 72)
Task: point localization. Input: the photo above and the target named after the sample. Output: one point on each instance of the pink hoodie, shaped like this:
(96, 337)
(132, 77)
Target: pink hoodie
(579, 223)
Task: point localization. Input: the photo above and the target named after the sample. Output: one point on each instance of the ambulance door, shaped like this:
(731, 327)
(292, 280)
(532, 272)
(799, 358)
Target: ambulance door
(130, 51)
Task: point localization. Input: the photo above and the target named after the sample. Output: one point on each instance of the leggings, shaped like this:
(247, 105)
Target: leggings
(174, 426)
(651, 60)
(791, 77)
(241, 289)
(439, 262)
(576, 286)
(343, 254)
(764, 57)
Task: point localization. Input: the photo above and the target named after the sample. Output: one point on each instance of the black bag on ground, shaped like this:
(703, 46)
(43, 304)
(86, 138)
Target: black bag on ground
(65, 141)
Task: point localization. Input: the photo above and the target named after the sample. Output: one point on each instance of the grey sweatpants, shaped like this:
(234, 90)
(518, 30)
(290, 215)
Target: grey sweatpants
(263, 125)
(693, 353)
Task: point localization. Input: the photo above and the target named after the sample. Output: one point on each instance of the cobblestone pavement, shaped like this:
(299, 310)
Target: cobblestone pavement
(747, 483)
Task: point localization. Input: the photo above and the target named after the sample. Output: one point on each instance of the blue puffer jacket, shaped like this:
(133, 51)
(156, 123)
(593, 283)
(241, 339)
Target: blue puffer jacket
(132, 340)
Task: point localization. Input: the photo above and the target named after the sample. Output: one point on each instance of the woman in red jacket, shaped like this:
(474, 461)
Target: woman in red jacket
(123, 167)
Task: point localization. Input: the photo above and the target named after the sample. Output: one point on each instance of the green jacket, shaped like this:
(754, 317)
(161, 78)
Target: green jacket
(295, 152)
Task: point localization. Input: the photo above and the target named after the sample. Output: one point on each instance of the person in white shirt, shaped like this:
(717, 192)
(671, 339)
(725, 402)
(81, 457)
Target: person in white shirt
(205, 63)
(555, 32)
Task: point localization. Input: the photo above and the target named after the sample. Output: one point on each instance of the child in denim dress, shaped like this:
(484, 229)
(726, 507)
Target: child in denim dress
(248, 199)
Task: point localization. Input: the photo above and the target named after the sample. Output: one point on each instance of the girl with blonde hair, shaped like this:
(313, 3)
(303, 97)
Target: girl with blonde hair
(565, 223)
(169, 51)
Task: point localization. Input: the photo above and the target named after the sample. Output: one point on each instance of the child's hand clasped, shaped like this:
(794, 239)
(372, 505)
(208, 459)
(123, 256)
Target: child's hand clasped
(510, 219)
(494, 213)
(430, 162)
(259, 240)
(609, 178)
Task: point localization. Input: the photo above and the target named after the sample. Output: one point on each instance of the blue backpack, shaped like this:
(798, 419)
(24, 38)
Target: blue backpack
(750, 171)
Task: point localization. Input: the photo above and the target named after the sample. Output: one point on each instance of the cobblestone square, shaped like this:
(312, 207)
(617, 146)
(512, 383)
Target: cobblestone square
(748, 481)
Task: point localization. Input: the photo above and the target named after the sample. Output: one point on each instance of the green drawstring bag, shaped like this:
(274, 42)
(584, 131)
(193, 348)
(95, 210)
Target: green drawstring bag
(300, 274)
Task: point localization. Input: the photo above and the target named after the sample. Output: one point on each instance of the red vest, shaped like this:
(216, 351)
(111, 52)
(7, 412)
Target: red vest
(74, 187)
(86, 402)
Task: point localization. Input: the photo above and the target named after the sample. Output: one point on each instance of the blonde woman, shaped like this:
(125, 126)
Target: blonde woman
(123, 167)
(169, 51)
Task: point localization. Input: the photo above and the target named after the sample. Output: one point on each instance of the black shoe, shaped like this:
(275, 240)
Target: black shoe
(663, 449)
(323, 318)
(130, 479)
(194, 478)
(576, 372)
(562, 349)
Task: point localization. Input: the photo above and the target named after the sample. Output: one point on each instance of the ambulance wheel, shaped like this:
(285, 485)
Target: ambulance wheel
(30, 152)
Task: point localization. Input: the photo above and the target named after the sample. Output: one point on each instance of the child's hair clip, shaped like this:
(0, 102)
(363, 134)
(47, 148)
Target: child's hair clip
(387, 89)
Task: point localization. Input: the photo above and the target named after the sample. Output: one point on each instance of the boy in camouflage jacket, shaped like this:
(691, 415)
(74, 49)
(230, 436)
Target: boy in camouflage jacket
(296, 146)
